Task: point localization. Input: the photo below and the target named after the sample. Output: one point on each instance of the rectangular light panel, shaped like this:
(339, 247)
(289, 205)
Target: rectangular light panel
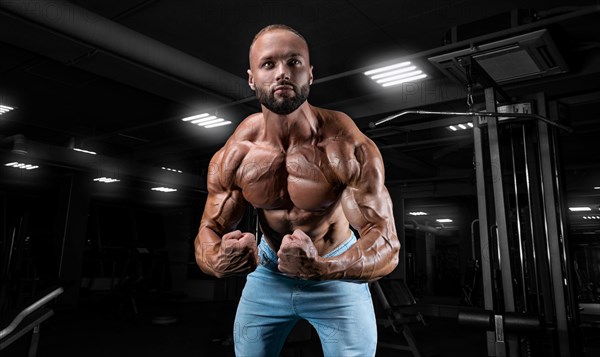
(396, 74)
(206, 120)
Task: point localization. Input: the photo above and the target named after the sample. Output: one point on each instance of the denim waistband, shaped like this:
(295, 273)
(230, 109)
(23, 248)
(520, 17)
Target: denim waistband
(269, 259)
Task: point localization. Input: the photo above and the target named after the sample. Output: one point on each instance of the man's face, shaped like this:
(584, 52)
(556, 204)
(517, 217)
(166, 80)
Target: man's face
(280, 72)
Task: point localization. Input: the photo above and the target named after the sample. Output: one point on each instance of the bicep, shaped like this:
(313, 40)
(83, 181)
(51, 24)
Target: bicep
(366, 201)
(225, 204)
(366, 209)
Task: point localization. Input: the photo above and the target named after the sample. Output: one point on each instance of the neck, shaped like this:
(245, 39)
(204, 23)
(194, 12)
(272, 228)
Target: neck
(289, 129)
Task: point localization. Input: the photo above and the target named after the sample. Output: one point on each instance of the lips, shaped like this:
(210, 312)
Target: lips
(283, 88)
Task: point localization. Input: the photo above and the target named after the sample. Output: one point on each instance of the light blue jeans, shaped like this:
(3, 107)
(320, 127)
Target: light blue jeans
(271, 304)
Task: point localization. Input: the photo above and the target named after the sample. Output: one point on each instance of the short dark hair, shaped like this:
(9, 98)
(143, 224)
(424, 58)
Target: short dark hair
(276, 27)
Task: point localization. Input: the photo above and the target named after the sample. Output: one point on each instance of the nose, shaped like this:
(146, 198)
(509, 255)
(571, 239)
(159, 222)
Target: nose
(283, 72)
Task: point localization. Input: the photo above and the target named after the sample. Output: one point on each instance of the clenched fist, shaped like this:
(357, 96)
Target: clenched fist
(298, 256)
(237, 254)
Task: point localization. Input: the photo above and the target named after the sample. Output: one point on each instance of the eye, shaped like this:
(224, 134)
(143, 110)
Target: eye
(267, 65)
(294, 62)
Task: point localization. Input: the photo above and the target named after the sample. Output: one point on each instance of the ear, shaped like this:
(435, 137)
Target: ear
(251, 80)
(310, 79)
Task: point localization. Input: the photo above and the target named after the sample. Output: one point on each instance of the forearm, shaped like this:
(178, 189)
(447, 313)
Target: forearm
(207, 245)
(373, 256)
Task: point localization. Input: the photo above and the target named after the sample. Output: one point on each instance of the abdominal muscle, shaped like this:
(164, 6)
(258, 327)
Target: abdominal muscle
(327, 229)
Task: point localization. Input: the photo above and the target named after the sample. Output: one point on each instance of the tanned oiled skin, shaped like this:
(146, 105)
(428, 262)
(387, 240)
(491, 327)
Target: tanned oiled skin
(310, 174)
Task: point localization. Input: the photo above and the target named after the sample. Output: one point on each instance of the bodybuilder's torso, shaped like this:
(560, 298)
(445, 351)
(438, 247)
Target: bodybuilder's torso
(295, 180)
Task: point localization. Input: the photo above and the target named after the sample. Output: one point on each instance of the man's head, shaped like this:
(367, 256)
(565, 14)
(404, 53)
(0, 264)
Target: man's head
(280, 72)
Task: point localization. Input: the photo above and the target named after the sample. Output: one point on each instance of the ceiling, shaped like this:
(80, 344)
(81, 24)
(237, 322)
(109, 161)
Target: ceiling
(116, 77)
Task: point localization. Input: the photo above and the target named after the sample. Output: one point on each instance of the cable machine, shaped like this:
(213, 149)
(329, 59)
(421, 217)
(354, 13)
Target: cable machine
(530, 306)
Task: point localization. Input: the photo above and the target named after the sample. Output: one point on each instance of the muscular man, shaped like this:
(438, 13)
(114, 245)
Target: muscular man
(310, 173)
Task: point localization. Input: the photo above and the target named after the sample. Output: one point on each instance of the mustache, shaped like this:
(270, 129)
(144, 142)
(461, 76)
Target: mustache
(285, 83)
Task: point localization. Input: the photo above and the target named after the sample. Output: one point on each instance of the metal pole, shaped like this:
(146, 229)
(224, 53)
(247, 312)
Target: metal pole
(500, 210)
(554, 240)
(568, 262)
(523, 307)
(65, 230)
(532, 234)
(473, 255)
(484, 245)
(29, 310)
(489, 113)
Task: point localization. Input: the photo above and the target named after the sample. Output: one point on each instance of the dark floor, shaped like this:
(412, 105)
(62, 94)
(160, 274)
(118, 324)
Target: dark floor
(109, 327)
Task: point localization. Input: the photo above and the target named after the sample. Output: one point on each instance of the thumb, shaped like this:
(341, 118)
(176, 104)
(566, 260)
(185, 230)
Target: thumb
(300, 234)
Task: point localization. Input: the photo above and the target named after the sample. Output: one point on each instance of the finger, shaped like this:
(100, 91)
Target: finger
(302, 239)
(248, 239)
(284, 251)
(242, 249)
(300, 234)
(282, 268)
(232, 235)
(229, 247)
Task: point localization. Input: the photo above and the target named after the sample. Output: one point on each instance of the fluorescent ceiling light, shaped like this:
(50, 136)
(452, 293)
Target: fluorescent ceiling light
(217, 120)
(106, 179)
(206, 120)
(409, 79)
(399, 76)
(85, 151)
(417, 213)
(444, 220)
(203, 115)
(463, 126)
(5, 109)
(597, 188)
(164, 189)
(203, 120)
(387, 68)
(227, 122)
(579, 209)
(170, 169)
(395, 74)
(19, 165)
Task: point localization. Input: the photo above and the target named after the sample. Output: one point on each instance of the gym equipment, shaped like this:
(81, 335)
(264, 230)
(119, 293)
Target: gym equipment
(472, 275)
(510, 322)
(29, 319)
(395, 297)
(513, 117)
(18, 276)
(525, 261)
(502, 324)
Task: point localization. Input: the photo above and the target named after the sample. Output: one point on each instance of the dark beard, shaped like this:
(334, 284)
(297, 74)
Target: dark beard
(284, 105)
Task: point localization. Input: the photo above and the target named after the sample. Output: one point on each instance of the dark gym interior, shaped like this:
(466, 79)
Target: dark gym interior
(498, 216)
